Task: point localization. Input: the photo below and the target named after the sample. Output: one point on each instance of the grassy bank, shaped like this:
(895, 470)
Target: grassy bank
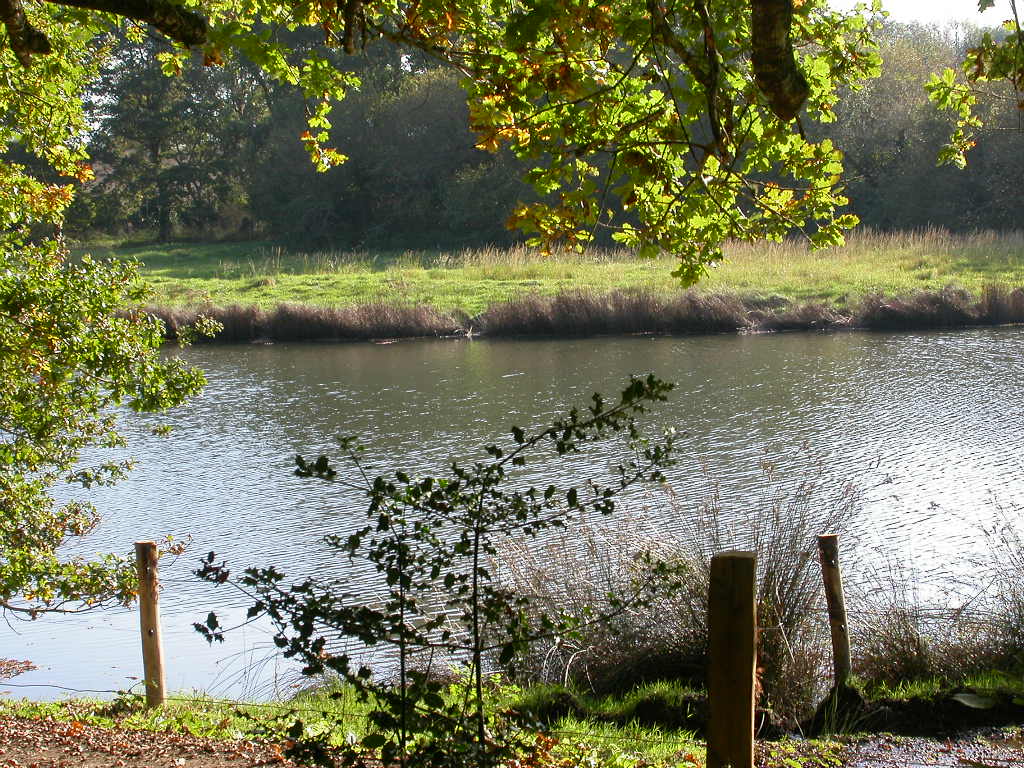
(654, 726)
(581, 313)
(470, 282)
(611, 734)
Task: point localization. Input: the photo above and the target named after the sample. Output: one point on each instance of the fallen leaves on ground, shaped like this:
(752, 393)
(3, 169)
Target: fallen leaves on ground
(47, 743)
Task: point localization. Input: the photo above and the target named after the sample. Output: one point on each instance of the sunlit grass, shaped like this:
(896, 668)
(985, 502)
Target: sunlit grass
(339, 712)
(597, 743)
(202, 716)
(569, 741)
(188, 275)
(984, 683)
(898, 263)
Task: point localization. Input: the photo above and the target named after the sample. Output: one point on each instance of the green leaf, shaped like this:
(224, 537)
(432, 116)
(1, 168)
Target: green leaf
(508, 652)
(374, 740)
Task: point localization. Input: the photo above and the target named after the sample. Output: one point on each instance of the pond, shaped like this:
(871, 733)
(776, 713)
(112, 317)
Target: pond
(927, 425)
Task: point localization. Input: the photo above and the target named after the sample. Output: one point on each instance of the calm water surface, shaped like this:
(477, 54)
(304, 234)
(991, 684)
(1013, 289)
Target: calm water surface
(928, 424)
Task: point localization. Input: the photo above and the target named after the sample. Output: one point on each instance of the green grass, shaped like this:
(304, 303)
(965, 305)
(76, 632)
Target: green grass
(569, 740)
(992, 682)
(895, 264)
(199, 715)
(584, 741)
(194, 274)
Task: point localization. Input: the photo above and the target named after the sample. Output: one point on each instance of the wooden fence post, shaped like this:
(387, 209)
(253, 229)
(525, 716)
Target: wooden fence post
(828, 552)
(732, 634)
(149, 622)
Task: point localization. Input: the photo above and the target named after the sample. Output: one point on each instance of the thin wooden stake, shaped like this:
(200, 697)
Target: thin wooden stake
(732, 632)
(149, 622)
(828, 552)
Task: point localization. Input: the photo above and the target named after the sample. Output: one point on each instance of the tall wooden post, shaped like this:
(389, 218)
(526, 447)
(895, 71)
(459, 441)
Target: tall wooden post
(732, 632)
(149, 622)
(828, 552)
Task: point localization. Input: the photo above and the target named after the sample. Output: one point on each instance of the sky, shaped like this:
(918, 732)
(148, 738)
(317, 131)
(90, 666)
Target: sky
(927, 11)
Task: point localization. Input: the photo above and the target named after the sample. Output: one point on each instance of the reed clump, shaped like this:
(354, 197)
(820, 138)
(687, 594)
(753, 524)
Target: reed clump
(906, 632)
(295, 322)
(665, 637)
(582, 313)
(907, 628)
(900, 639)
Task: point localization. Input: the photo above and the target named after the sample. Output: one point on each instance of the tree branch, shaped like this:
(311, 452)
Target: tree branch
(662, 32)
(25, 39)
(177, 23)
(775, 69)
(183, 26)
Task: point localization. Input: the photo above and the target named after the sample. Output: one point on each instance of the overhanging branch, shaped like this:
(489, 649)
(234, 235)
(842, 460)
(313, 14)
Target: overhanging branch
(183, 26)
(177, 23)
(25, 40)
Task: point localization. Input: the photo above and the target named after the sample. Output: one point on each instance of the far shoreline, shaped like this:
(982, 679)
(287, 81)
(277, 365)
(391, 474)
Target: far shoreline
(582, 314)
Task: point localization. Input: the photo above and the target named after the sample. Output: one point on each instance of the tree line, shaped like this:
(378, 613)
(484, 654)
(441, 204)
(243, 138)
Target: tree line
(216, 153)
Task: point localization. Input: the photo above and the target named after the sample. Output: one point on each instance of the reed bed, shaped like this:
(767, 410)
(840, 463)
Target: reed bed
(909, 628)
(908, 638)
(583, 313)
(289, 322)
(664, 637)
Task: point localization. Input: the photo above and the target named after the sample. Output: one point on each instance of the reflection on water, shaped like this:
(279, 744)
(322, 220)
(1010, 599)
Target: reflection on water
(929, 423)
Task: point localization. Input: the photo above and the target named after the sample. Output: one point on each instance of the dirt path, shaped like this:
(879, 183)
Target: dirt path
(28, 743)
(46, 743)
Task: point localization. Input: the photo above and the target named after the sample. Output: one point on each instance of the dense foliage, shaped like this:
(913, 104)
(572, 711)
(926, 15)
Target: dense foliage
(68, 357)
(685, 115)
(70, 353)
(213, 154)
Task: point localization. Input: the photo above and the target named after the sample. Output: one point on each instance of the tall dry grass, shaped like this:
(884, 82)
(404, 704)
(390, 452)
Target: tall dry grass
(583, 313)
(948, 308)
(293, 322)
(866, 246)
(906, 627)
(276, 260)
(1003, 578)
(666, 638)
(586, 314)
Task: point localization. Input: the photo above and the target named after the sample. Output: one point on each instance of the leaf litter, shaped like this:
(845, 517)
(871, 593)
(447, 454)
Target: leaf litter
(47, 743)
